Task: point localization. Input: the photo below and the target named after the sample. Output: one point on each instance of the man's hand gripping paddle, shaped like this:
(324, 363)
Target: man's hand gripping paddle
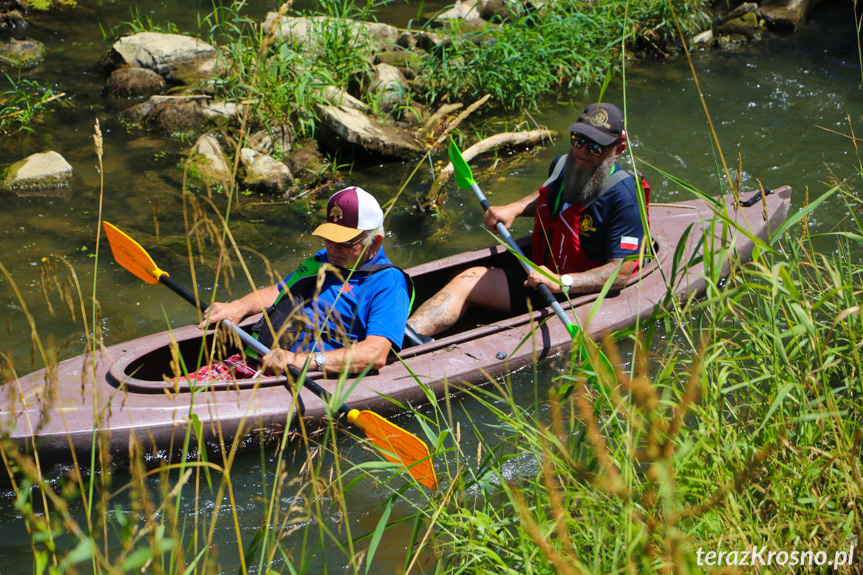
(397, 444)
(464, 180)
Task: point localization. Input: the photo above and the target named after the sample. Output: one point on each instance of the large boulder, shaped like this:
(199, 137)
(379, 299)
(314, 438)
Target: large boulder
(161, 53)
(22, 54)
(39, 171)
(305, 32)
(359, 129)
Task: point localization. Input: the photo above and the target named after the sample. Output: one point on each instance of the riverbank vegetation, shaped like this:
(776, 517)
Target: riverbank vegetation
(520, 55)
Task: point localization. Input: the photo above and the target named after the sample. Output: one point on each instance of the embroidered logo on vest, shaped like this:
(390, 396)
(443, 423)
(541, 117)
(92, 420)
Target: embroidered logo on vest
(586, 225)
(599, 118)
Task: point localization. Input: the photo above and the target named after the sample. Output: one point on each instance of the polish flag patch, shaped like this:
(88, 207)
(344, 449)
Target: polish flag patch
(628, 243)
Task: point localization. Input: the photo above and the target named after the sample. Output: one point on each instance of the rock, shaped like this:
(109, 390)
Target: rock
(199, 71)
(175, 115)
(408, 63)
(361, 130)
(498, 10)
(338, 97)
(306, 163)
(703, 38)
(730, 42)
(22, 54)
(426, 41)
(277, 142)
(39, 171)
(221, 110)
(466, 10)
(749, 24)
(389, 87)
(784, 15)
(207, 161)
(12, 14)
(161, 53)
(135, 82)
(305, 32)
(264, 173)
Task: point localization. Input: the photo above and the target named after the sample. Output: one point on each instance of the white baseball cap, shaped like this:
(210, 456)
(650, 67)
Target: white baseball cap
(350, 212)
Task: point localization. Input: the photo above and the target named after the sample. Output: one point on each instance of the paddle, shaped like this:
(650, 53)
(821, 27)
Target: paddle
(397, 444)
(464, 180)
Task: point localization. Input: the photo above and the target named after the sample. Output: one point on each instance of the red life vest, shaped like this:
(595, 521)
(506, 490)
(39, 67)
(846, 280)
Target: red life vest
(556, 241)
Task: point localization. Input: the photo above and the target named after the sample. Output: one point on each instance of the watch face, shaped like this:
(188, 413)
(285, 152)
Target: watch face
(566, 280)
(320, 359)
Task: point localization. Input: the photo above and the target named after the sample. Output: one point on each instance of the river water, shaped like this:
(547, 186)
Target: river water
(777, 103)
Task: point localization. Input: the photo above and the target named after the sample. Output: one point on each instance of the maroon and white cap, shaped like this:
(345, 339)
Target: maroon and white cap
(350, 212)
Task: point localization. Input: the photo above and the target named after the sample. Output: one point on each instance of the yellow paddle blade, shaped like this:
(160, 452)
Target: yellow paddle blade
(131, 255)
(398, 445)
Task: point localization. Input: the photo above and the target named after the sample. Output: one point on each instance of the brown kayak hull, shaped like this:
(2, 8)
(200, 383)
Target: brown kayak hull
(121, 392)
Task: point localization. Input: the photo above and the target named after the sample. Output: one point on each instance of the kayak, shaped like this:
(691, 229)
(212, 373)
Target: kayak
(129, 390)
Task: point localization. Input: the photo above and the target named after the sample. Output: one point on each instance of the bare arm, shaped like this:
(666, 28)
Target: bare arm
(371, 351)
(525, 207)
(591, 281)
(252, 303)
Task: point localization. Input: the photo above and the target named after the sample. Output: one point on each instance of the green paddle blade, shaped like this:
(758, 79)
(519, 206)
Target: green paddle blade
(463, 176)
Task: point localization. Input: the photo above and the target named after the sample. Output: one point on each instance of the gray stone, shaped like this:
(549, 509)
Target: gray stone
(209, 161)
(278, 141)
(22, 54)
(304, 32)
(338, 97)
(39, 171)
(361, 130)
(389, 87)
(466, 10)
(264, 173)
(160, 52)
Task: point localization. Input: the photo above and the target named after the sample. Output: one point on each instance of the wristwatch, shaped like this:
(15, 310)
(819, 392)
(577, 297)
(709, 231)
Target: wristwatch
(566, 280)
(320, 360)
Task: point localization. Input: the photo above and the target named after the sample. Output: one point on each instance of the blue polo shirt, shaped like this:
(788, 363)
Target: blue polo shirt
(348, 312)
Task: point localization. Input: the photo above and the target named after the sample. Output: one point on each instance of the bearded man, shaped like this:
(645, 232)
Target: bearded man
(586, 222)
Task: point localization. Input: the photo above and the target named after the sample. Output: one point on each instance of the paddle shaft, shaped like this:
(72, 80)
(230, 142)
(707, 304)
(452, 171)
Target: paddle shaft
(543, 289)
(250, 341)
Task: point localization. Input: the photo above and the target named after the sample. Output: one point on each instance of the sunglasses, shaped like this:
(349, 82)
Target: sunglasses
(580, 141)
(351, 243)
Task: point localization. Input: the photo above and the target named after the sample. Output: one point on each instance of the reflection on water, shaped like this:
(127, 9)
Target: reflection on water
(773, 103)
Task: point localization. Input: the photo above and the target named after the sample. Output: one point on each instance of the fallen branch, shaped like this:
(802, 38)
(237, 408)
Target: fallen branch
(468, 111)
(438, 116)
(498, 140)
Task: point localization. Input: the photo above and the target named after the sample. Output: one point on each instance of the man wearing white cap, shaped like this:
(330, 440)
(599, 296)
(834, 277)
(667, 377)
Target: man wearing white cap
(351, 313)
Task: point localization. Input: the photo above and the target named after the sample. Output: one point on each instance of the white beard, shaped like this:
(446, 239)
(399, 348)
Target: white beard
(584, 186)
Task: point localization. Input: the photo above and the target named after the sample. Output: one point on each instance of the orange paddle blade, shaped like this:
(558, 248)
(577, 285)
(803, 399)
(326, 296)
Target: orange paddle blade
(398, 445)
(131, 255)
